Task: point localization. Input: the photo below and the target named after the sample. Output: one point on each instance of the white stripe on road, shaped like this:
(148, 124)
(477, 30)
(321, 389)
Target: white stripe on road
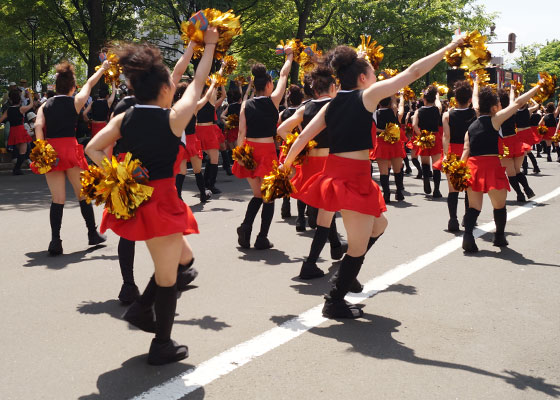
(231, 359)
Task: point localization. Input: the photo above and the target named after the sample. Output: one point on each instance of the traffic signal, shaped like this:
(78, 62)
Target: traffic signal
(511, 42)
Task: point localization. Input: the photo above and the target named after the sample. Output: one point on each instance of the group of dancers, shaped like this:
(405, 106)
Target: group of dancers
(165, 123)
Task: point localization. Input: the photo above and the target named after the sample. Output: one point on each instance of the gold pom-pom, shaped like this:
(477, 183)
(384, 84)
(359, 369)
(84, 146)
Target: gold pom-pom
(426, 139)
(453, 102)
(471, 55)
(90, 179)
(547, 88)
(232, 121)
(297, 48)
(518, 87)
(241, 80)
(408, 131)
(43, 157)
(408, 93)
(114, 72)
(226, 22)
(483, 79)
(542, 130)
(301, 157)
(277, 184)
(244, 156)
(373, 51)
(442, 89)
(391, 134)
(230, 64)
(457, 172)
(387, 74)
(556, 138)
(308, 60)
(219, 79)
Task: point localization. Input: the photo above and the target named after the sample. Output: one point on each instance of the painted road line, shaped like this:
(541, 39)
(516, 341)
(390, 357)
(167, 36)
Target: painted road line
(231, 359)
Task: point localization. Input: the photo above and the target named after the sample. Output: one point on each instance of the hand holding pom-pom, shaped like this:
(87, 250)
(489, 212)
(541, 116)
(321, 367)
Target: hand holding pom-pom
(277, 184)
(43, 157)
(244, 156)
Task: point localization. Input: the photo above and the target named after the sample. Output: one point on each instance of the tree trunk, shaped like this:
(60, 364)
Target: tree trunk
(303, 14)
(97, 33)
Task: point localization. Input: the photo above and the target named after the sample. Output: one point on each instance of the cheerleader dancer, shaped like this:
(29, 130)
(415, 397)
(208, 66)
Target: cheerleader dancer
(257, 128)
(56, 122)
(428, 117)
(345, 183)
(18, 136)
(233, 109)
(456, 121)
(512, 162)
(100, 108)
(481, 151)
(151, 132)
(549, 120)
(410, 144)
(407, 106)
(527, 135)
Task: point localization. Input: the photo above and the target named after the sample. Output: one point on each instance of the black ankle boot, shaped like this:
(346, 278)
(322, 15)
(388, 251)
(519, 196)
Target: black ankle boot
(426, 178)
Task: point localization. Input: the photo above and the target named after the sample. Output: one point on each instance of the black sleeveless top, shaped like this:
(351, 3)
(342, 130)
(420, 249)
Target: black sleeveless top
(147, 135)
(429, 118)
(508, 127)
(100, 110)
(384, 116)
(287, 113)
(406, 110)
(523, 118)
(206, 114)
(60, 117)
(191, 126)
(459, 122)
(261, 117)
(483, 138)
(311, 109)
(15, 118)
(234, 108)
(550, 121)
(349, 123)
(535, 119)
(124, 105)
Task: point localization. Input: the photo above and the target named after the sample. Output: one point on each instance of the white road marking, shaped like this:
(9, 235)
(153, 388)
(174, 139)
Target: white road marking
(231, 359)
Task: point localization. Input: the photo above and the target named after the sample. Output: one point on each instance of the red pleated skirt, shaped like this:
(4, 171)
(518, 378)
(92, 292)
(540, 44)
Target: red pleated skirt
(192, 148)
(163, 214)
(220, 135)
(514, 144)
(311, 166)
(437, 149)
(487, 174)
(455, 148)
(70, 153)
(96, 127)
(18, 135)
(264, 154)
(410, 144)
(529, 136)
(208, 136)
(373, 141)
(231, 134)
(551, 132)
(344, 184)
(387, 151)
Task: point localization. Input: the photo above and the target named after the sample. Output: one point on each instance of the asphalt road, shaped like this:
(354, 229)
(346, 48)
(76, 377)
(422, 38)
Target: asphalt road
(447, 326)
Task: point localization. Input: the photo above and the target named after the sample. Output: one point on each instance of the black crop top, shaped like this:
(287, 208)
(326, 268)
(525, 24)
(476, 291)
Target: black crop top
(549, 121)
(311, 109)
(508, 127)
(287, 113)
(206, 114)
(261, 117)
(535, 119)
(483, 138)
(60, 117)
(459, 122)
(99, 110)
(191, 127)
(234, 108)
(124, 105)
(15, 118)
(429, 118)
(384, 116)
(523, 118)
(147, 135)
(348, 123)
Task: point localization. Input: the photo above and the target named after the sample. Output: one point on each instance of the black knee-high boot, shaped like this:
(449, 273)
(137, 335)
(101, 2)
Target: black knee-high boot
(179, 179)
(267, 214)
(129, 291)
(384, 180)
(514, 182)
(558, 153)
(212, 178)
(525, 166)
(437, 180)
(407, 170)
(469, 245)
(286, 211)
(19, 161)
(309, 269)
(141, 313)
(337, 248)
(523, 181)
(244, 230)
(226, 162)
(201, 187)
(547, 151)
(56, 211)
(466, 208)
(500, 219)
(94, 237)
(426, 178)
(300, 221)
(399, 183)
(452, 201)
(539, 147)
(416, 163)
(312, 213)
(163, 350)
(335, 307)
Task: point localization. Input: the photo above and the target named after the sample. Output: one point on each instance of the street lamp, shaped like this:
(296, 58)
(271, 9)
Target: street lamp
(33, 23)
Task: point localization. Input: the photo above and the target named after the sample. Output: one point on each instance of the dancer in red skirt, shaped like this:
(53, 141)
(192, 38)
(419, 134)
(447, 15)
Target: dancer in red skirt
(512, 162)
(56, 122)
(257, 128)
(481, 150)
(233, 108)
(100, 108)
(549, 120)
(345, 184)
(18, 136)
(527, 135)
(428, 117)
(410, 144)
(455, 124)
(151, 131)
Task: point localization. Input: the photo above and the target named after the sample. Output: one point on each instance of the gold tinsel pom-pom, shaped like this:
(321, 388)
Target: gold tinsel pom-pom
(518, 87)
(230, 64)
(457, 172)
(308, 60)
(301, 157)
(242, 80)
(391, 134)
(483, 78)
(471, 55)
(387, 74)
(442, 89)
(453, 102)
(43, 157)
(277, 184)
(219, 79)
(228, 26)
(90, 179)
(244, 156)
(547, 89)
(556, 137)
(542, 130)
(114, 72)
(408, 93)
(373, 51)
(297, 48)
(426, 139)
(232, 121)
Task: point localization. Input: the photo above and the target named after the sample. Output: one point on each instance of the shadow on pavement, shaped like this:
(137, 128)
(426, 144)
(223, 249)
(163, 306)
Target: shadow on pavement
(371, 336)
(206, 322)
(43, 259)
(269, 257)
(507, 253)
